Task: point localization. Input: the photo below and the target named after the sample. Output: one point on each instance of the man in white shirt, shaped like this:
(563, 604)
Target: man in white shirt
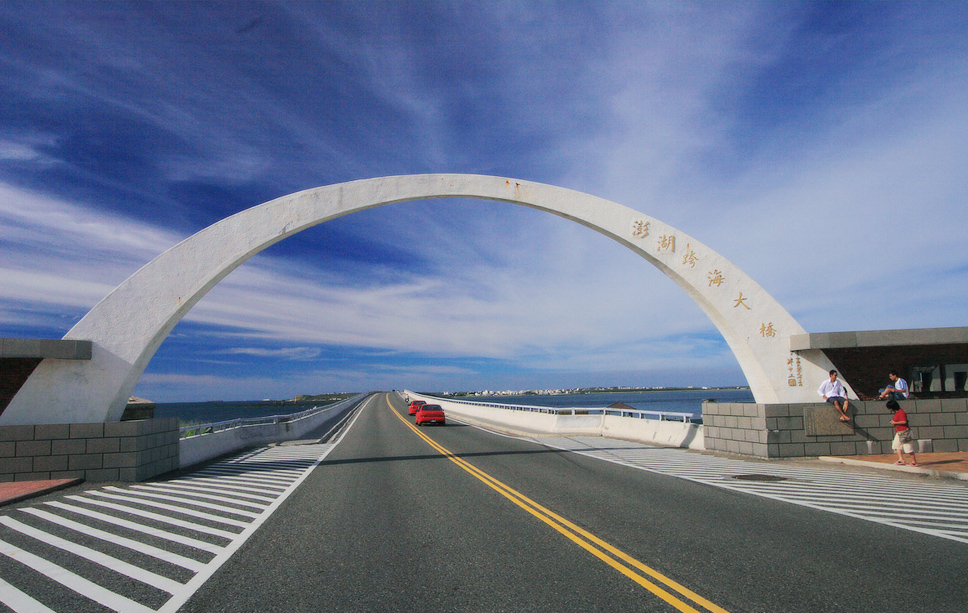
(898, 390)
(833, 392)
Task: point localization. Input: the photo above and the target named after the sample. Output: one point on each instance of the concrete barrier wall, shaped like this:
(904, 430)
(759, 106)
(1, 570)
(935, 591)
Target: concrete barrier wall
(196, 449)
(668, 433)
(535, 424)
(501, 420)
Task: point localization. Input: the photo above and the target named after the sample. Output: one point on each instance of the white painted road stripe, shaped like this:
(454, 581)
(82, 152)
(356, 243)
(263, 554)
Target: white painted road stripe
(158, 517)
(261, 480)
(169, 507)
(161, 554)
(199, 580)
(240, 482)
(189, 501)
(171, 485)
(198, 494)
(130, 525)
(78, 584)
(18, 601)
(118, 566)
(929, 506)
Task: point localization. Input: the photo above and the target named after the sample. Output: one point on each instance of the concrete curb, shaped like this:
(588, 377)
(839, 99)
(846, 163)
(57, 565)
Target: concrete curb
(21, 490)
(914, 470)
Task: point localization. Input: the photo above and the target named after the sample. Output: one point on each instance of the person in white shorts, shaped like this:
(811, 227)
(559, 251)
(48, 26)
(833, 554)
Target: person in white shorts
(903, 438)
(833, 392)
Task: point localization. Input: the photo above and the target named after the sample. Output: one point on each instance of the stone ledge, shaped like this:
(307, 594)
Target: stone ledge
(60, 349)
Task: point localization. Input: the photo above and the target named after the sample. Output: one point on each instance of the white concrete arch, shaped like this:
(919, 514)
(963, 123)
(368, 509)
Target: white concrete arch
(129, 324)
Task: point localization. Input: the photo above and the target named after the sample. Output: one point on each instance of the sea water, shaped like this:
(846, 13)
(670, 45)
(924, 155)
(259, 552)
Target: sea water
(668, 401)
(189, 413)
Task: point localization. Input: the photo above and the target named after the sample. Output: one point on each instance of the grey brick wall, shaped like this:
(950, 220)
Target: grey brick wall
(778, 430)
(115, 451)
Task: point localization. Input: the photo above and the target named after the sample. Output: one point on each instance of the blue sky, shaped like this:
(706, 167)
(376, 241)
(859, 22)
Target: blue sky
(821, 147)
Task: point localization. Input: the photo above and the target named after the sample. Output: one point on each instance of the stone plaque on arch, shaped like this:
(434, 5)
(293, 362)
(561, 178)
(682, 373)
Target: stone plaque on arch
(824, 420)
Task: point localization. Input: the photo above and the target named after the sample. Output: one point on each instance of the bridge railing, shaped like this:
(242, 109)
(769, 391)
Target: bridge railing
(218, 426)
(688, 418)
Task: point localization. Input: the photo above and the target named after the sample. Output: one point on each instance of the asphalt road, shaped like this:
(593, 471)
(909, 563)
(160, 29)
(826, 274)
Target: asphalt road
(388, 522)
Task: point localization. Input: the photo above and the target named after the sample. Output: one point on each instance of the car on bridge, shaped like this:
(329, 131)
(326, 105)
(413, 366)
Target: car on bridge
(431, 414)
(416, 404)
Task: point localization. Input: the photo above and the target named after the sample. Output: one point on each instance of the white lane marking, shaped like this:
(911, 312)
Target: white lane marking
(158, 517)
(199, 580)
(265, 470)
(130, 525)
(200, 494)
(76, 583)
(187, 489)
(18, 601)
(149, 550)
(274, 471)
(240, 482)
(268, 480)
(169, 507)
(926, 507)
(118, 566)
(188, 501)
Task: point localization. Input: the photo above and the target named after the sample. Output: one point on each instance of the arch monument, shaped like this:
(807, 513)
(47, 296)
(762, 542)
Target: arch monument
(130, 323)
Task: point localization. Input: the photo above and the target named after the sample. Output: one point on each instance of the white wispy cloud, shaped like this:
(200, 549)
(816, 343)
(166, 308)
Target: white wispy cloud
(286, 353)
(828, 165)
(513, 299)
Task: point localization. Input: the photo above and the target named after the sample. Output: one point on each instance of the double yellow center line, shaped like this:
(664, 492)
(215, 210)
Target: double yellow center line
(614, 557)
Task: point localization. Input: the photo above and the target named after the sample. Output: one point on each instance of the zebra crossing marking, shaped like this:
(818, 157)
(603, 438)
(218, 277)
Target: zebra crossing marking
(69, 580)
(161, 554)
(238, 509)
(928, 507)
(205, 516)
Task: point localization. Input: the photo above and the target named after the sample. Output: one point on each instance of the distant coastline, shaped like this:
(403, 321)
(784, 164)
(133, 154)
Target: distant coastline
(587, 390)
(668, 399)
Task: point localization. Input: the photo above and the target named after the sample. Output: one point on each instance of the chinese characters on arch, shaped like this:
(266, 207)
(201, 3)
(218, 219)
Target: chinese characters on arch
(795, 378)
(641, 229)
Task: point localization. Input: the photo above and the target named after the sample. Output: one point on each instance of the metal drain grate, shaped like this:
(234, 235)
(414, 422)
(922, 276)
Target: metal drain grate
(769, 478)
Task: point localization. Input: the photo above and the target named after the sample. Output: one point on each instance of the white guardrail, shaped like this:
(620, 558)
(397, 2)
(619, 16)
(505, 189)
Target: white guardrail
(218, 426)
(668, 428)
(633, 413)
(199, 443)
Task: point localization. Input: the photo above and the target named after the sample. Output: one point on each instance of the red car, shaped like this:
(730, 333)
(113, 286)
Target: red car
(416, 405)
(430, 414)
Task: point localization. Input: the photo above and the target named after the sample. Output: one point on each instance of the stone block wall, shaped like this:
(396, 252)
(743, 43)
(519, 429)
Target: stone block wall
(736, 427)
(808, 430)
(112, 451)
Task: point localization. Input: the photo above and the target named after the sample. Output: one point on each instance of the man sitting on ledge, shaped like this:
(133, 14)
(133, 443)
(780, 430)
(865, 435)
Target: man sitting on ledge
(833, 392)
(898, 390)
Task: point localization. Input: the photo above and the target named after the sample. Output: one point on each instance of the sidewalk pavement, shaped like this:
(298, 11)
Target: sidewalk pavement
(953, 465)
(15, 491)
